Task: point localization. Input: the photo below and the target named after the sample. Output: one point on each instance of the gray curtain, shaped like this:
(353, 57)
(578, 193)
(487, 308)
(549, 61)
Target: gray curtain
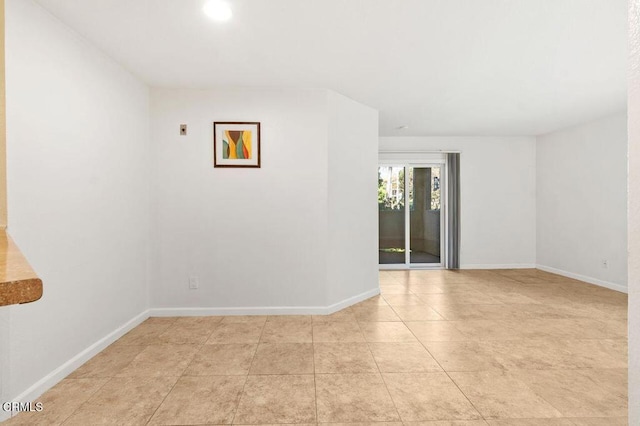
(453, 211)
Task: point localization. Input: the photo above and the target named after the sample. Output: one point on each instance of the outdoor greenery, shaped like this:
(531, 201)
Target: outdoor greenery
(395, 201)
(390, 201)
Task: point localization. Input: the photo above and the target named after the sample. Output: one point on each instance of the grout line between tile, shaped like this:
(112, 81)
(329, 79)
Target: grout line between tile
(87, 400)
(380, 373)
(176, 382)
(162, 402)
(445, 372)
(246, 379)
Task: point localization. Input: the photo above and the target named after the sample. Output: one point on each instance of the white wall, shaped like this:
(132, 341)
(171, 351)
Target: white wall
(253, 237)
(353, 218)
(497, 191)
(582, 201)
(77, 143)
(634, 211)
(257, 239)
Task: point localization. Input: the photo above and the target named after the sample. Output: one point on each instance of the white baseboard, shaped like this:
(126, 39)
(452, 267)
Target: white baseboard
(257, 310)
(264, 310)
(51, 379)
(498, 266)
(595, 281)
(351, 301)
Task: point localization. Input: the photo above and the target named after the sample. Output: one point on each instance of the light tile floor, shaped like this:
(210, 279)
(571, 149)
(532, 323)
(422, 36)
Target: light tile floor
(466, 348)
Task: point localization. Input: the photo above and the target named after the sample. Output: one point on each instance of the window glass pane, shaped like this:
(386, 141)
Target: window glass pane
(391, 215)
(424, 190)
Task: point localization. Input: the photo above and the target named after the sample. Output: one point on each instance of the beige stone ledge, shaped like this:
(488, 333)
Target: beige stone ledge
(18, 282)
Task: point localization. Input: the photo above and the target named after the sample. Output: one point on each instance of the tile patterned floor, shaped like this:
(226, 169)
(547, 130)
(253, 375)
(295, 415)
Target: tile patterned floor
(467, 348)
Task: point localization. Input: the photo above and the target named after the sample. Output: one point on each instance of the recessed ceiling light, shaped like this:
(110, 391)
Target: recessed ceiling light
(218, 10)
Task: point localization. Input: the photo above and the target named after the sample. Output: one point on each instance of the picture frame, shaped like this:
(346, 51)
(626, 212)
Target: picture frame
(236, 144)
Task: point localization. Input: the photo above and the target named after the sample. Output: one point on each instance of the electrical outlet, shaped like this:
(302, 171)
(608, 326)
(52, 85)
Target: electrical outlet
(193, 283)
(605, 264)
(183, 130)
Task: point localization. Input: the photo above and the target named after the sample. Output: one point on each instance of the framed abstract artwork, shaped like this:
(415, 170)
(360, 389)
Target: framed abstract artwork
(236, 144)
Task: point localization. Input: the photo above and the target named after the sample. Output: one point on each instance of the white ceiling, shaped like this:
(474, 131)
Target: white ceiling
(442, 67)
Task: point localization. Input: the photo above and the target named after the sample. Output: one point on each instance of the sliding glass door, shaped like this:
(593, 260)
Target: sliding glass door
(411, 225)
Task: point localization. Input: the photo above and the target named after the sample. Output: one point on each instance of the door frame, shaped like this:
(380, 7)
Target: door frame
(422, 160)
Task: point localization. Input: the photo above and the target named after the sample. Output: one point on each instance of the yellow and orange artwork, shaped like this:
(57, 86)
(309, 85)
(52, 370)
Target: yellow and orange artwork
(236, 145)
